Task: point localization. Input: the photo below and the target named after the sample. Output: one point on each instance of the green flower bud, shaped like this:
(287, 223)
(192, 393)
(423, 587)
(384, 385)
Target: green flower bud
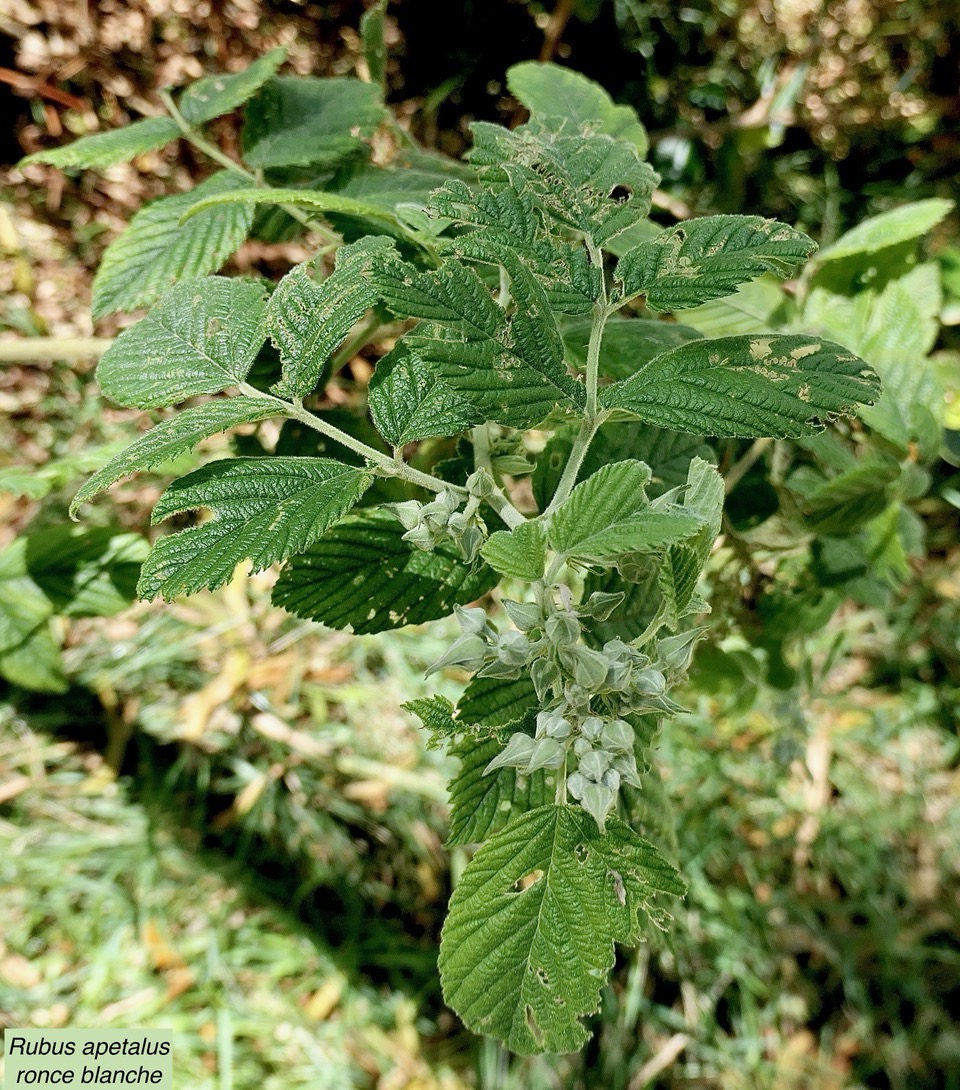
(589, 667)
(473, 621)
(471, 542)
(525, 615)
(674, 652)
(481, 484)
(407, 514)
(650, 682)
(617, 736)
(515, 754)
(547, 753)
(422, 537)
(544, 674)
(611, 779)
(563, 629)
(619, 676)
(581, 747)
(598, 801)
(592, 728)
(513, 648)
(594, 764)
(496, 668)
(576, 785)
(627, 767)
(467, 651)
(552, 725)
(601, 604)
(457, 524)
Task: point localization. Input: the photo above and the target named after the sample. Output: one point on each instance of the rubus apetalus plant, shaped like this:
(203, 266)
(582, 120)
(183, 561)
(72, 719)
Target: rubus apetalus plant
(509, 289)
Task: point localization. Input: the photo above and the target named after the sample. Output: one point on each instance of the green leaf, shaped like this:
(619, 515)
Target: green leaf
(708, 258)
(35, 482)
(363, 575)
(888, 229)
(24, 608)
(302, 198)
(409, 401)
(309, 122)
(173, 437)
(482, 805)
(627, 343)
(216, 95)
(667, 453)
(529, 939)
(202, 337)
(511, 369)
(609, 514)
(747, 386)
(307, 320)
(758, 307)
(491, 702)
(156, 250)
(681, 565)
(846, 503)
(436, 714)
(264, 509)
(85, 573)
(552, 91)
(593, 184)
(103, 149)
(36, 663)
(519, 553)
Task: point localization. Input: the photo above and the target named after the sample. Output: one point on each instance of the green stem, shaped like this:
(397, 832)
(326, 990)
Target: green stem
(390, 467)
(593, 357)
(588, 429)
(213, 152)
(561, 796)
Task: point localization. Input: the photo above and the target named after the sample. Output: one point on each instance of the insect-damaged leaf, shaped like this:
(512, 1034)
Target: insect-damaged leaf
(748, 386)
(529, 939)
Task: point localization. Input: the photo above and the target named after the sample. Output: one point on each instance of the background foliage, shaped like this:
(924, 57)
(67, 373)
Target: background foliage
(221, 819)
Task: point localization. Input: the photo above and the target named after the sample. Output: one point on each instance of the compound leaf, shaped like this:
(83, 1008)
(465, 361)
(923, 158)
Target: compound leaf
(410, 401)
(708, 258)
(363, 575)
(264, 510)
(202, 337)
(530, 936)
(309, 122)
(103, 149)
(173, 437)
(306, 320)
(747, 386)
(156, 250)
(216, 95)
(608, 515)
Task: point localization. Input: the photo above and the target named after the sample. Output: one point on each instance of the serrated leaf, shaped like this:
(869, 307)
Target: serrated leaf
(156, 250)
(846, 503)
(519, 553)
(667, 453)
(482, 805)
(492, 702)
(888, 229)
(103, 149)
(307, 319)
(609, 514)
(294, 121)
(627, 343)
(202, 337)
(436, 714)
(530, 935)
(216, 95)
(410, 401)
(173, 437)
(511, 369)
(590, 183)
(264, 510)
(707, 258)
(680, 566)
(552, 91)
(316, 200)
(363, 575)
(782, 386)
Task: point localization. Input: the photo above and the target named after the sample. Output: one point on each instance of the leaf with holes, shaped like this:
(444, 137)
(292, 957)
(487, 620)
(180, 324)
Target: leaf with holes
(264, 509)
(530, 936)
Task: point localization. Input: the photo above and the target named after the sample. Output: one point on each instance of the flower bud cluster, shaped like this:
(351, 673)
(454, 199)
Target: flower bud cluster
(587, 693)
(429, 524)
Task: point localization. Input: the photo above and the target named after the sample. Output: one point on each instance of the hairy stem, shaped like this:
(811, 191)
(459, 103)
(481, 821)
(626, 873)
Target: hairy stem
(213, 152)
(390, 467)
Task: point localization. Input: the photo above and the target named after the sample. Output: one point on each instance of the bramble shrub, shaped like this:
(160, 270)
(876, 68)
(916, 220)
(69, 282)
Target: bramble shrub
(526, 431)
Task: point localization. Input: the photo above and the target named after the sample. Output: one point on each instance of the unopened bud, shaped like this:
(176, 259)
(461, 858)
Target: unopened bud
(515, 754)
(563, 629)
(617, 736)
(598, 801)
(594, 764)
(547, 753)
(544, 674)
(525, 615)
